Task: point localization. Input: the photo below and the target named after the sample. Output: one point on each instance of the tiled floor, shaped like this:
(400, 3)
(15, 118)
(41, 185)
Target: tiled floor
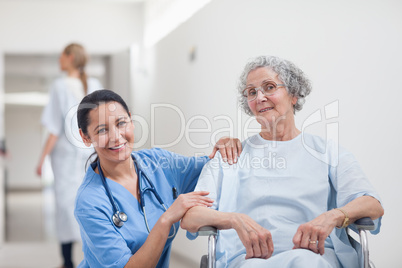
(30, 234)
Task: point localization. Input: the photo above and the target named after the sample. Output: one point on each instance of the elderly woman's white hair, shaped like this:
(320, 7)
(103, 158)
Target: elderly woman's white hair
(297, 84)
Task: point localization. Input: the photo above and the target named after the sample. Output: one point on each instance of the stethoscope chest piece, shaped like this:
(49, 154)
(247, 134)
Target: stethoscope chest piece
(119, 218)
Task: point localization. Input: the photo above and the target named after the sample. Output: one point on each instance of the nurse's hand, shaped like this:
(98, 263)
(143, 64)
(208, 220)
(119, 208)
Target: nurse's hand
(312, 235)
(230, 149)
(186, 201)
(39, 169)
(256, 239)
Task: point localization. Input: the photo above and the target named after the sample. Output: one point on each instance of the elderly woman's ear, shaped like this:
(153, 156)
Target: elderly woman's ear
(294, 100)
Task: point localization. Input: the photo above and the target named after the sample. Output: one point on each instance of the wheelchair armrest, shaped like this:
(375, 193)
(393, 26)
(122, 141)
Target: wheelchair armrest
(361, 226)
(207, 231)
(364, 224)
(212, 233)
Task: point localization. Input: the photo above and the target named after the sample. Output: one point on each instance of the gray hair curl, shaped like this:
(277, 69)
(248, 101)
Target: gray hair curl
(297, 84)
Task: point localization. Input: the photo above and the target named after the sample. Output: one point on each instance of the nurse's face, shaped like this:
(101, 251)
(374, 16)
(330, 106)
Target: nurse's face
(111, 132)
(65, 61)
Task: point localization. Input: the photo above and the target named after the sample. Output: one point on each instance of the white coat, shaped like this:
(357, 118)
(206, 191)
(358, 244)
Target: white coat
(69, 154)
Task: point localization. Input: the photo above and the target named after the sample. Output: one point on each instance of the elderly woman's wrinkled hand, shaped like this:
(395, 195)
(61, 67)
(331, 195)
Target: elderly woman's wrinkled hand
(230, 149)
(256, 239)
(312, 235)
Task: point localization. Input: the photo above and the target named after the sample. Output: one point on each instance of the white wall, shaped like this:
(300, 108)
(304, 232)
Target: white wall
(351, 50)
(47, 26)
(2, 134)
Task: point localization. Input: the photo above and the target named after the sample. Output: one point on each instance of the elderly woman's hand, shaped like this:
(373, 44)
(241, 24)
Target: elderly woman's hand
(256, 239)
(230, 149)
(312, 235)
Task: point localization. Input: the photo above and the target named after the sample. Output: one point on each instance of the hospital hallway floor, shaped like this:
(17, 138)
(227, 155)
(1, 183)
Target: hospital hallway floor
(30, 233)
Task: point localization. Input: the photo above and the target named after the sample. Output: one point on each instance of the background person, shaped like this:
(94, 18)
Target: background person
(138, 182)
(279, 206)
(67, 159)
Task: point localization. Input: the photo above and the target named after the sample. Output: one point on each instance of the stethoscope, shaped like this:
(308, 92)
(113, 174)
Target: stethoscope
(119, 217)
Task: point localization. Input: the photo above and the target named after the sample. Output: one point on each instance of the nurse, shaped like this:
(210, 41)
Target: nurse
(67, 158)
(149, 190)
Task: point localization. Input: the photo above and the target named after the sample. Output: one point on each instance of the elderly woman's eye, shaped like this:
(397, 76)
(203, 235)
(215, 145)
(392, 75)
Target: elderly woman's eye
(251, 92)
(269, 87)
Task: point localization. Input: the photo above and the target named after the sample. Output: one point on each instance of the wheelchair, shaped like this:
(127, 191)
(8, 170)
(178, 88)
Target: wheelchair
(361, 226)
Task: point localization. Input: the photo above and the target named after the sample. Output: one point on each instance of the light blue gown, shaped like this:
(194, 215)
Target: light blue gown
(69, 154)
(106, 245)
(282, 184)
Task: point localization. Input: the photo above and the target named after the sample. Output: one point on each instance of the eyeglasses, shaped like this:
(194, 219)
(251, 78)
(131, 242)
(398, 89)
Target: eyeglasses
(267, 88)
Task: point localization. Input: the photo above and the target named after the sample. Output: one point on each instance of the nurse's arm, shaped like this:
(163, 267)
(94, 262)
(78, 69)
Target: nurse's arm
(256, 239)
(149, 253)
(47, 149)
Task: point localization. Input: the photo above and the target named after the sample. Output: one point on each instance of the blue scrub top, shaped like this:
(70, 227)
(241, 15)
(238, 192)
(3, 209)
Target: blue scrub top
(104, 244)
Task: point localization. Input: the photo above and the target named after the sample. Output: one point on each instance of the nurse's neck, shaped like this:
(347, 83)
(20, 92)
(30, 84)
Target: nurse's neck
(73, 73)
(118, 171)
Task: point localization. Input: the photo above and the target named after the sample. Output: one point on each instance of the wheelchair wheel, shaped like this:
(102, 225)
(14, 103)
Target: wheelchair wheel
(204, 261)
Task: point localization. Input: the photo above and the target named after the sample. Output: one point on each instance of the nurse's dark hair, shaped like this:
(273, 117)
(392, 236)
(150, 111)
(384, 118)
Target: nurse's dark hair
(92, 101)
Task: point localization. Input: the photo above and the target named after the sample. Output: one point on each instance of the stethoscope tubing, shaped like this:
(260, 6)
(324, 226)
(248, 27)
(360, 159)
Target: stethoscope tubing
(116, 208)
(151, 188)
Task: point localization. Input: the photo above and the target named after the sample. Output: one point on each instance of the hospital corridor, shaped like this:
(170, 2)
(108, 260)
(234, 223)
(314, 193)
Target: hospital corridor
(30, 233)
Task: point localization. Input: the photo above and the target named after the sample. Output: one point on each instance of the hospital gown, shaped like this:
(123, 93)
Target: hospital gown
(69, 154)
(106, 245)
(281, 185)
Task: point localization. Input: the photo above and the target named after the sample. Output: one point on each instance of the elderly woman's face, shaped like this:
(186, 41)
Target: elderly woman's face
(273, 108)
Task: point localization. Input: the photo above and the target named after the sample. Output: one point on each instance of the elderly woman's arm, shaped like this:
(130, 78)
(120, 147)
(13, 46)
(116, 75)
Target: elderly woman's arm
(256, 239)
(320, 228)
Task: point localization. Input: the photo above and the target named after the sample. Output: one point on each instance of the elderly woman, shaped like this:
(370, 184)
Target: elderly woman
(286, 207)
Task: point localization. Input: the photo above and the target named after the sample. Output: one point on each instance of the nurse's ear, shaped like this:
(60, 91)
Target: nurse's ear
(85, 138)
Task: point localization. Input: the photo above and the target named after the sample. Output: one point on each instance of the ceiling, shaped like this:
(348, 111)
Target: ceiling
(121, 1)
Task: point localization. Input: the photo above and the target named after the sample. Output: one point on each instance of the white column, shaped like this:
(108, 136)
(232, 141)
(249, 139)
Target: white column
(2, 162)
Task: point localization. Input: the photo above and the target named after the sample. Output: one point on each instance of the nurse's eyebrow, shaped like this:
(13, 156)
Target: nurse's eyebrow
(121, 118)
(103, 125)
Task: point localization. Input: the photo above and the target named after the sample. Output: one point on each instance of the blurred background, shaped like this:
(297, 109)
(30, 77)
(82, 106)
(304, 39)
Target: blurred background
(177, 64)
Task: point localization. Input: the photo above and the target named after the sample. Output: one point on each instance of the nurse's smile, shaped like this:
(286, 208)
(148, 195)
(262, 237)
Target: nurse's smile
(118, 147)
